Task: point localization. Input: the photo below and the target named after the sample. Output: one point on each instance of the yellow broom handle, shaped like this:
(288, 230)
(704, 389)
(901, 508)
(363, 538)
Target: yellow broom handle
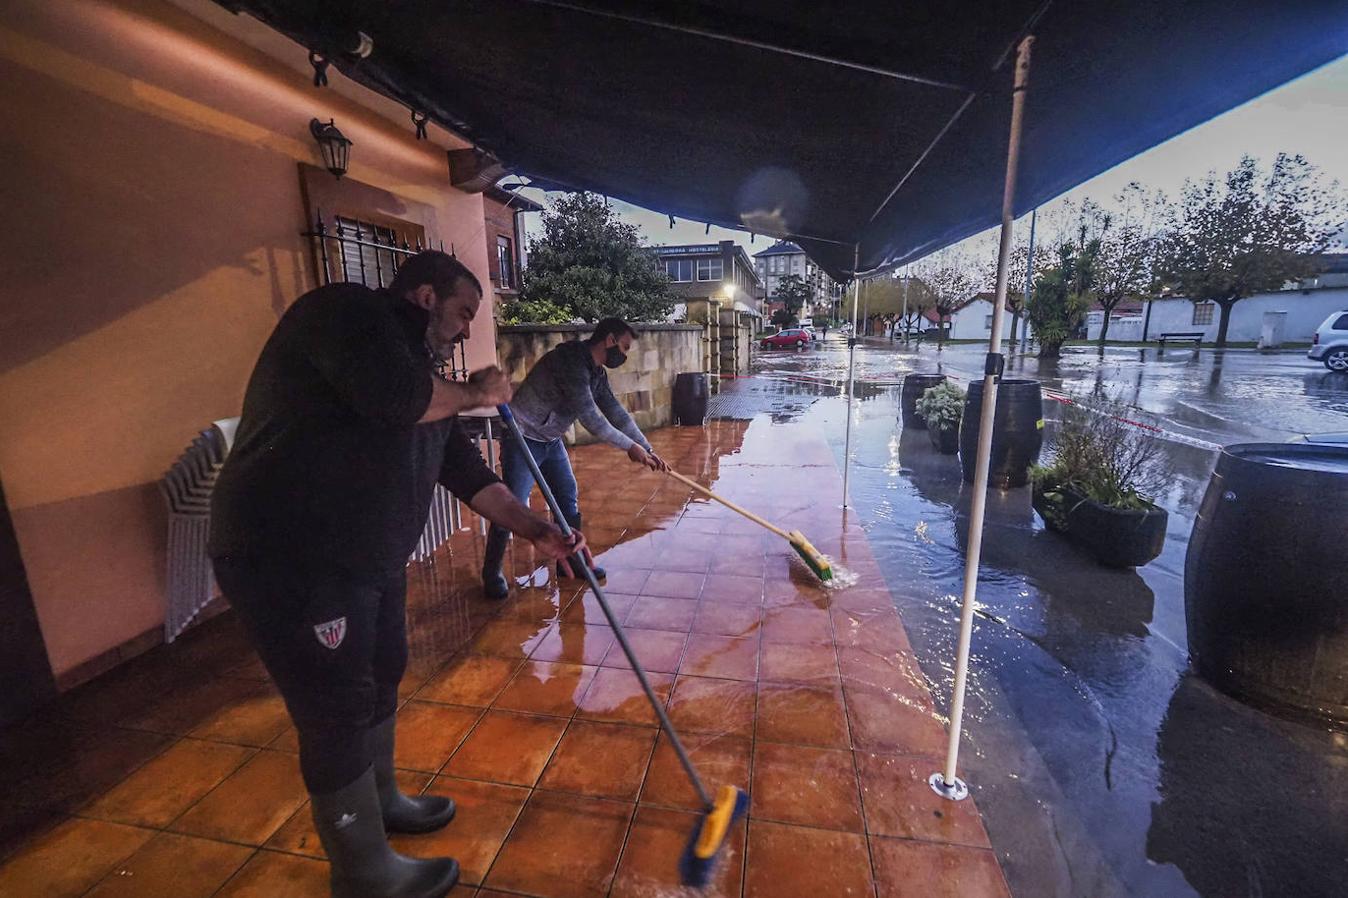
(728, 504)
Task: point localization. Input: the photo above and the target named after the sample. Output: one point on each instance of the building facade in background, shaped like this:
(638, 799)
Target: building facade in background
(720, 271)
(719, 290)
(503, 215)
(1300, 309)
(786, 258)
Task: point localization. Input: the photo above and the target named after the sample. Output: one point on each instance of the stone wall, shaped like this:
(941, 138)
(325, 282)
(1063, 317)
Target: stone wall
(729, 338)
(644, 385)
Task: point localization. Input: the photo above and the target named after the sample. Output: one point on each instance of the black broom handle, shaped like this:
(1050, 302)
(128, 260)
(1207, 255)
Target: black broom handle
(509, 419)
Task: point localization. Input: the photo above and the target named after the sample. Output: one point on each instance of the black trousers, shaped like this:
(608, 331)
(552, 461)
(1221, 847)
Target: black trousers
(335, 645)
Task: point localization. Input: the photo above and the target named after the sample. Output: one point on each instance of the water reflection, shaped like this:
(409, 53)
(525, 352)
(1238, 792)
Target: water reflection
(1328, 389)
(1102, 769)
(935, 477)
(1212, 751)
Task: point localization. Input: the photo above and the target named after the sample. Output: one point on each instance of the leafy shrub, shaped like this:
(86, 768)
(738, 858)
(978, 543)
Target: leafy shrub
(1098, 455)
(535, 311)
(941, 406)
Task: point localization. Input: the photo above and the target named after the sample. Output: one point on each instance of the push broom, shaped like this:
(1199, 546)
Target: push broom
(713, 826)
(808, 553)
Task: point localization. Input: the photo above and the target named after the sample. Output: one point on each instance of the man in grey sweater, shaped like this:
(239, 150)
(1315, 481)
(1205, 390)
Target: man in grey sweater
(567, 384)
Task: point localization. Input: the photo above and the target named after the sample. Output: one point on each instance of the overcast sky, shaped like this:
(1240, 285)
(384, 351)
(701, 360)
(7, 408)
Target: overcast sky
(1307, 116)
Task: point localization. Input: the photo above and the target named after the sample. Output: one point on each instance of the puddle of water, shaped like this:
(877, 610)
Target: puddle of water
(1101, 766)
(842, 577)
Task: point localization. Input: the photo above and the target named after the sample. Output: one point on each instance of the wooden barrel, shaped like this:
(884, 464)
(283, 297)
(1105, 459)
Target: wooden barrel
(1017, 432)
(914, 385)
(690, 399)
(1264, 578)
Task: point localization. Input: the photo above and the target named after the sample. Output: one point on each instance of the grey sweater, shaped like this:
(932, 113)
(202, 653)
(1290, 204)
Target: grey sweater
(567, 385)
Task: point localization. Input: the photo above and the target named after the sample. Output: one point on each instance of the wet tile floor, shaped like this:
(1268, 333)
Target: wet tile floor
(175, 774)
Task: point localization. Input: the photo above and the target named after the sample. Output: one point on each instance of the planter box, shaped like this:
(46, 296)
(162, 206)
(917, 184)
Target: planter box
(945, 440)
(1116, 537)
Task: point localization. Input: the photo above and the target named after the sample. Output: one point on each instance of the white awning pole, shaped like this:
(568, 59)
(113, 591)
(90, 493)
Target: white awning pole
(851, 369)
(946, 782)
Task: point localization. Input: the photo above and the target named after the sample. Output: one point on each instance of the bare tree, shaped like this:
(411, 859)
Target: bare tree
(1128, 238)
(1015, 281)
(950, 281)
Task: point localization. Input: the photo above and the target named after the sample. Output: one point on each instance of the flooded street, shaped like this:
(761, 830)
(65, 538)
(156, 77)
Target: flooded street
(1102, 766)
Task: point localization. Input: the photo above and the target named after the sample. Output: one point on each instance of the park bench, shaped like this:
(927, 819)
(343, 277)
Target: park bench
(1194, 338)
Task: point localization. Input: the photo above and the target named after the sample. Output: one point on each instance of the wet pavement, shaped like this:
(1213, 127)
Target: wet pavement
(1102, 766)
(175, 774)
(1099, 766)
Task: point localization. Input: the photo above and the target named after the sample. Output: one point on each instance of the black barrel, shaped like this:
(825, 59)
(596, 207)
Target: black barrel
(1017, 432)
(690, 398)
(1264, 579)
(914, 385)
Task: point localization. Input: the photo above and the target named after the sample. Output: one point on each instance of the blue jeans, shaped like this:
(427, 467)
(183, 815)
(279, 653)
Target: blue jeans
(555, 465)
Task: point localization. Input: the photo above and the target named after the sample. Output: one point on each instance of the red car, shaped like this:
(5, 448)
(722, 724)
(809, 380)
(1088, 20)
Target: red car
(794, 337)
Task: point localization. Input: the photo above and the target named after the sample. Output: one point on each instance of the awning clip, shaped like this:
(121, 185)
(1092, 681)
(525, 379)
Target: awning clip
(320, 64)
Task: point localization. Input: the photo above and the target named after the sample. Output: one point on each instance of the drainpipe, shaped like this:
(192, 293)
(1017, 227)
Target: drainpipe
(521, 254)
(945, 782)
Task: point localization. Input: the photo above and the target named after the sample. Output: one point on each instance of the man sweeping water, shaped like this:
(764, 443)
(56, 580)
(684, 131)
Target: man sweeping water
(568, 384)
(346, 429)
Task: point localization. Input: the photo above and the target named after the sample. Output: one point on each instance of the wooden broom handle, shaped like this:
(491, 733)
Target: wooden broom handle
(728, 504)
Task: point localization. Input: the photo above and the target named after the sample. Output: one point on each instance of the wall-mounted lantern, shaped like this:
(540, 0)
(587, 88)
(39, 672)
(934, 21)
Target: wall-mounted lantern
(333, 144)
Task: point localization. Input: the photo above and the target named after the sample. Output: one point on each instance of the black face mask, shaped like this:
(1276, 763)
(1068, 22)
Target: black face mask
(613, 357)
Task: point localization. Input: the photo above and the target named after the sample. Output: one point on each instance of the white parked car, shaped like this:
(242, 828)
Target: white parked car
(1330, 344)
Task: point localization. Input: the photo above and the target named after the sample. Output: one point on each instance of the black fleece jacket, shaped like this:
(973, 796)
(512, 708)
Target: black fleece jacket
(329, 465)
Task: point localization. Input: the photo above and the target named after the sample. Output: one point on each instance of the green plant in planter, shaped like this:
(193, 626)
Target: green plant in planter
(941, 406)
(1099, 456)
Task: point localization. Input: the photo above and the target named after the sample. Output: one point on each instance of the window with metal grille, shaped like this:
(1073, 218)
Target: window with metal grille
(505, 263)
(368, 253)
(1203, 312)
(362, 252)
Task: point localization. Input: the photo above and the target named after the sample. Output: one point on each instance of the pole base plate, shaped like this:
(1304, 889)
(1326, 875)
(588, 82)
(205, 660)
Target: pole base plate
(956, 791)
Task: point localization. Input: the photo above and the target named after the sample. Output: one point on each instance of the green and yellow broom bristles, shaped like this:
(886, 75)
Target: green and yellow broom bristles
(811, 556)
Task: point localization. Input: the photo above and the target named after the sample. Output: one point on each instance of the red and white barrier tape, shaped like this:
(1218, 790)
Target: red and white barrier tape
(1170, 435)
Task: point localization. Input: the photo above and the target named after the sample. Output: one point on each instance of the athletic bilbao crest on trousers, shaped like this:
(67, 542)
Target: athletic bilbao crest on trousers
(331, 633)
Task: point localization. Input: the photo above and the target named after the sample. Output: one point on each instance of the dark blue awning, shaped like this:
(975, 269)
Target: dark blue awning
(876, 124)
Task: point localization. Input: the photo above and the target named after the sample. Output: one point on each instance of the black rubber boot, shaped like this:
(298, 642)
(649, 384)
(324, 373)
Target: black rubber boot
(351, 829)
(403, 813)
(494, 583)
(599, 573)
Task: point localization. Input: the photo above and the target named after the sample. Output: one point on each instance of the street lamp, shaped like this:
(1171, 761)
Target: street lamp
(333, 144)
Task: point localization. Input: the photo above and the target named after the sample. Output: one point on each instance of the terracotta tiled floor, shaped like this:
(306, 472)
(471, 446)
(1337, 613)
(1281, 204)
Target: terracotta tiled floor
(176, 773)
